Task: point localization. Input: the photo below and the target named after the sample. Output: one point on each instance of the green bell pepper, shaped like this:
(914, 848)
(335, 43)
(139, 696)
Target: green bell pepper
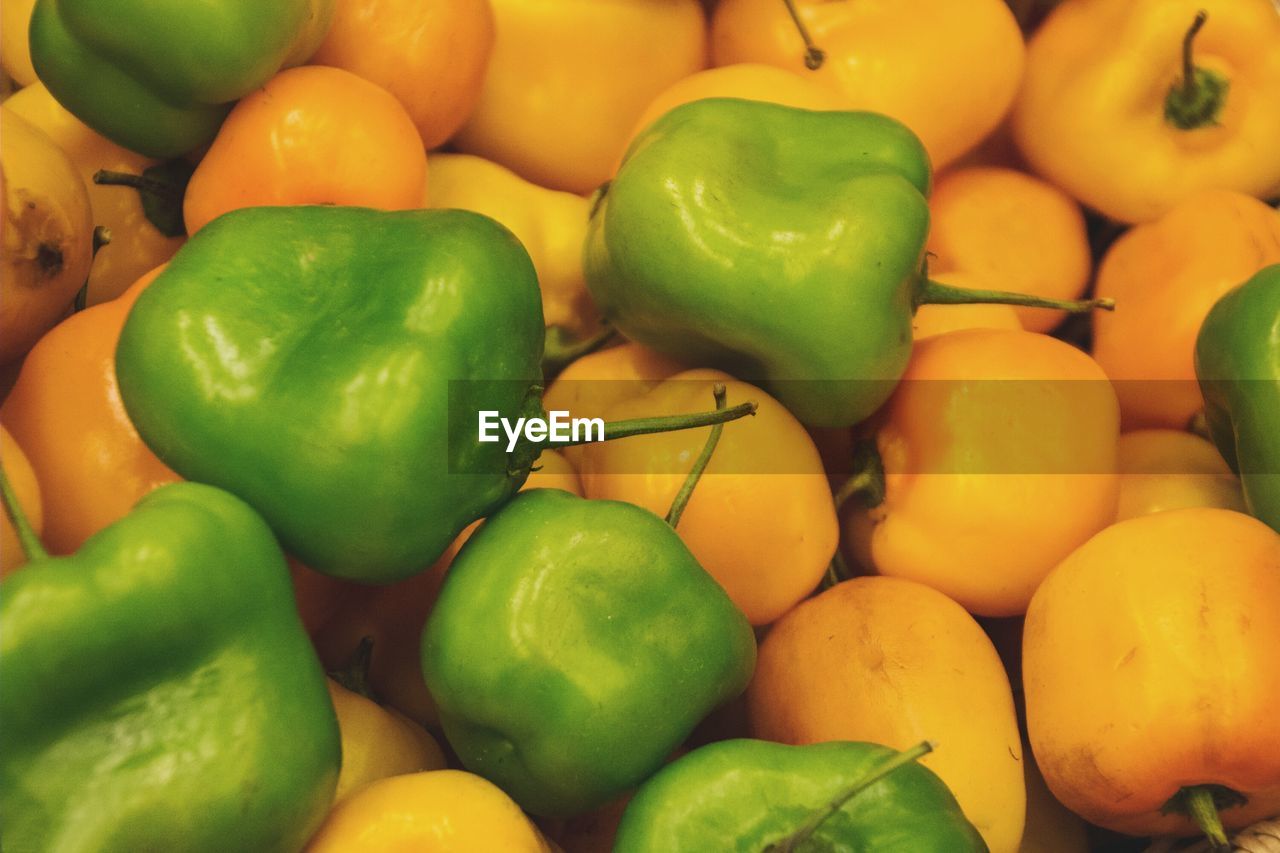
(1238, 367)
(753, 796)
(159, 77)
(306, 360)
(782, 245)
(574, 645)
(159, 691)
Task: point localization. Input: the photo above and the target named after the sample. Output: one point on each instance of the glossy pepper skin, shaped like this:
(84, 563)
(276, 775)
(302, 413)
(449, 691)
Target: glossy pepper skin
(1238, 365)
(780, 245)
(743, 795)
(160, 692)
(159, 77)
(574, 646)
(310, 359)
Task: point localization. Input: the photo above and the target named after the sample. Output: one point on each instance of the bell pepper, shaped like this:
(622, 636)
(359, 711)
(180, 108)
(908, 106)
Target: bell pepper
(47, 234)
(891, 661)
(65, 411)
(136, 245)
(1148, 662)
(159, 690)
(328, 364)
(1163, 469)
(1133, 105)
(574, 645)
(895, 58)
(755, 795)
(567, 81)
(311, 135)
(805, 287)
(997, 458)
(159, 77)
(1164, 276)
(442, 810)
(15, 50)
(1238, 365)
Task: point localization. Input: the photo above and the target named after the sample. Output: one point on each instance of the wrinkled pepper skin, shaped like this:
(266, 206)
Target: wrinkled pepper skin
(308, 360)
(159, 77)
(160, 692)
(574, 646)
(1238, 365)
(780, 245)
(742, 795)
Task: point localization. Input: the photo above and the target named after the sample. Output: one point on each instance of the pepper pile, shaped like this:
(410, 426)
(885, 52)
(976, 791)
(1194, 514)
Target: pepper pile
(919, 365)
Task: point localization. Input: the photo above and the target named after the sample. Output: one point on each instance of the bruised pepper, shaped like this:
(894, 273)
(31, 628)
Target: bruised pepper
(150, 77)
(1238, 365)
(804, 286)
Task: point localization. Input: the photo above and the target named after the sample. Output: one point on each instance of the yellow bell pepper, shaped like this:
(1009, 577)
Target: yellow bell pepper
(15, 51)
(377, 742)
(552, 225)
(1131, 105)
(136, 245)
(443, 811)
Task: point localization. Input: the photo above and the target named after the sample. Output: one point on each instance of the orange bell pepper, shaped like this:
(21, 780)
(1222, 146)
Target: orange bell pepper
(569, 78)
(999, 458)
(1013, 230)
(1150, 676)
(136, 246)
(761, 520)
(431, 56)
(311, 135)
(947, 70)
(1105, 112)
(26, 488)
(441, 811)
(893, 662)
(65, 411)
(1163, 469)
(1164, 277)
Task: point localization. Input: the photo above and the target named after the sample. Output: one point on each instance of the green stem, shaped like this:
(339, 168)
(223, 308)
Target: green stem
(101, 237)
(354, 674)
(614, 430)
(700, 464)
(793, 841)
(27, 538)
(160, 189)
(141, 183)
(560, 350)
(814, 56)
(1202, 803)
(1197, 98)
(932, 292)
(866, 483)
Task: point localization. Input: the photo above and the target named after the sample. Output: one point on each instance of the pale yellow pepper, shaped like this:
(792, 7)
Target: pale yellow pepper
(551, 224)
(443, 811)
(136, 245)
(378, 742)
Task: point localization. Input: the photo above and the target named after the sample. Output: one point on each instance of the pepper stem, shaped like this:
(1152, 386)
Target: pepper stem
(866, 483)
(930, 292)
(814, 56)
(665, 423)
(1202, 803)
(1196, 99)
(101, 237)
(160, 188)
(793, 841)
(700, 464)
(354, 674)
(27, 538)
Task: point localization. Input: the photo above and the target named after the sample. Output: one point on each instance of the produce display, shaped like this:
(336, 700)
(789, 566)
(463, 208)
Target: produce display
(651, 426)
